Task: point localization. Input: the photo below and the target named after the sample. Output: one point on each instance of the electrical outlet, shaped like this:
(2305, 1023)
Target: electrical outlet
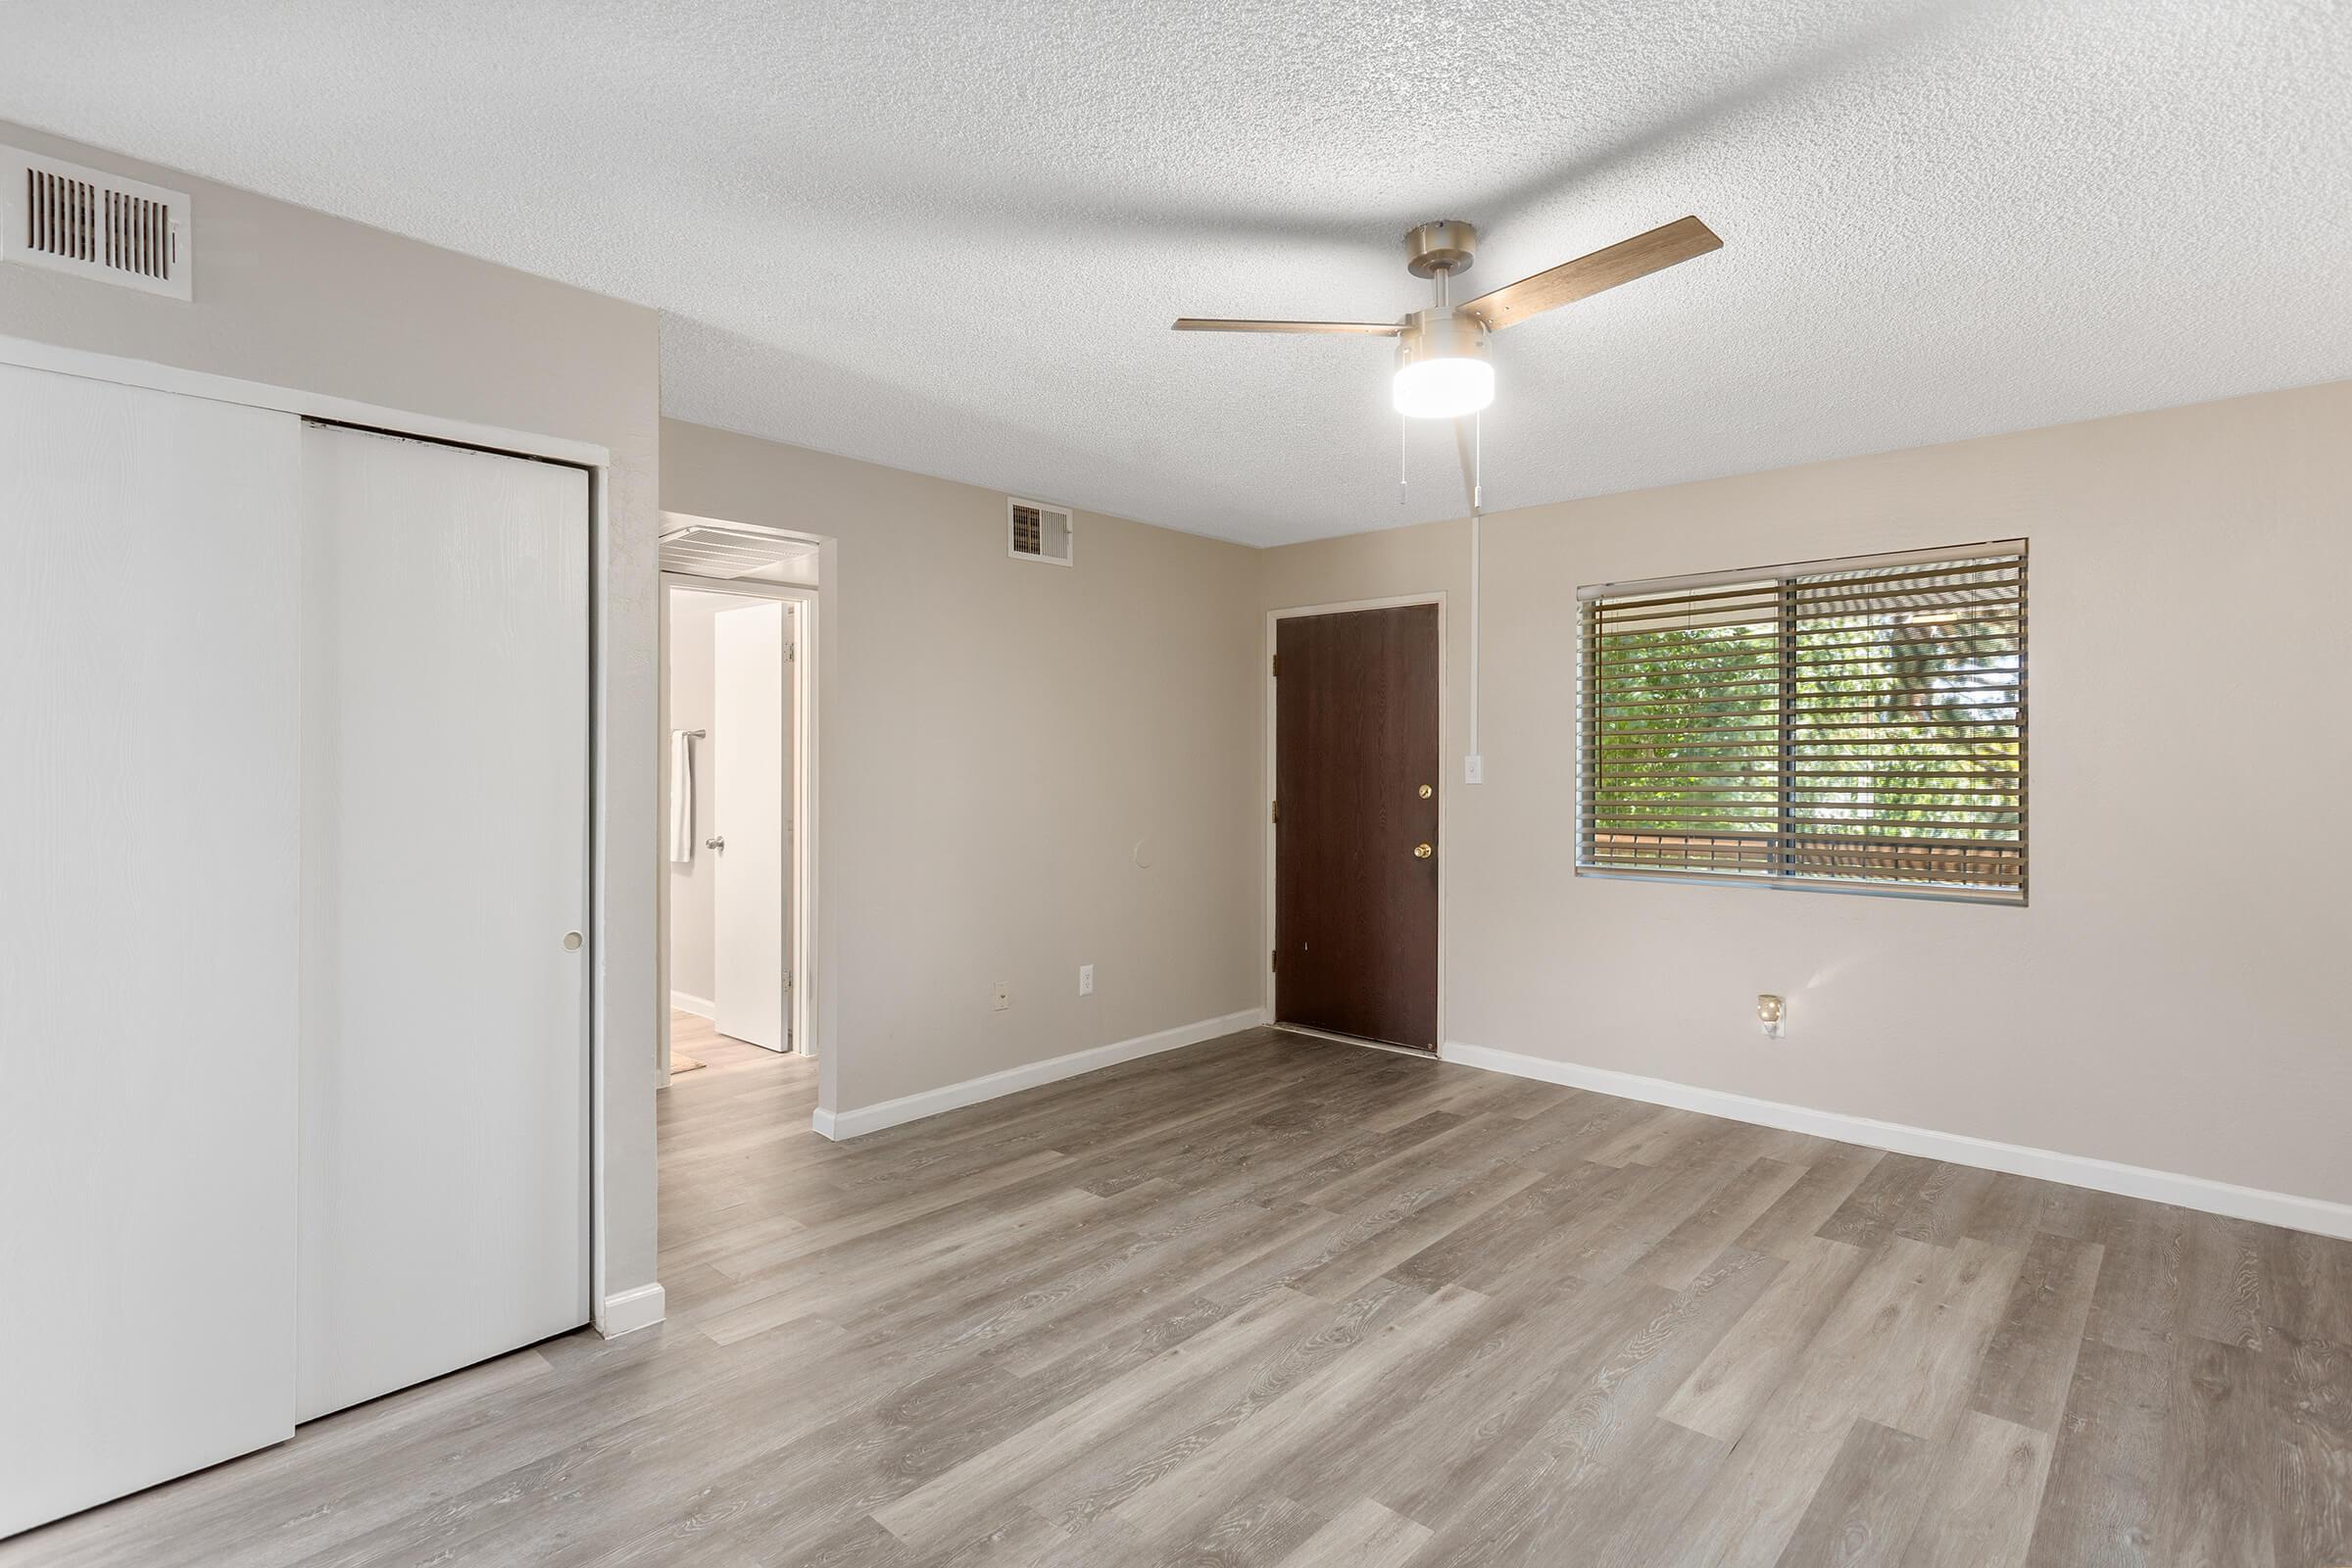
(1086, 979)
(1004, 995)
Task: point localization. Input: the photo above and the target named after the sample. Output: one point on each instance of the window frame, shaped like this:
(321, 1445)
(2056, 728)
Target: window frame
(1788, 881)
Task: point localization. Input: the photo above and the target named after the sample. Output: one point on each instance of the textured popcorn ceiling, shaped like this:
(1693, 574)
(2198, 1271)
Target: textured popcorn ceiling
(951, 236)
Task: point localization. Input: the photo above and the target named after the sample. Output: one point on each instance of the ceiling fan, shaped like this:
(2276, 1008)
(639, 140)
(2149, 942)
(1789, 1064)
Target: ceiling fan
(1443, 372)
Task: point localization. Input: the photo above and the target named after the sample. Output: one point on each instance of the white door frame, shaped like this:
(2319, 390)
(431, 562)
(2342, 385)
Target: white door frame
(1445, 795)
(598, 460)
(800, 879)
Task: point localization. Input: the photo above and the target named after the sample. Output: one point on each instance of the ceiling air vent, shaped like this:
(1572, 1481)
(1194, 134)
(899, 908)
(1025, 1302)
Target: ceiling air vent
(1036, 531)
(92, 224)
(709, 549)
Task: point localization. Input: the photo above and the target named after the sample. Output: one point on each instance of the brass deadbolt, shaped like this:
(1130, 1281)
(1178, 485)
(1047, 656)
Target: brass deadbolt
(1427, 792)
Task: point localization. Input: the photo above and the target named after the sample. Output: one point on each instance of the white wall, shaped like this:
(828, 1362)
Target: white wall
(691, 704)
(2171, 998)
(997, 736)
(294, 298)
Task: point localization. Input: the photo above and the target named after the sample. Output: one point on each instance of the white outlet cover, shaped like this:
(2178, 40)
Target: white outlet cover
(1086, 979)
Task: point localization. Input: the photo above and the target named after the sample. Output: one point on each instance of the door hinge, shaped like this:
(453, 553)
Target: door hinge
(1273, 810)
(792, 652)
(1273, 960)
(1274, 665)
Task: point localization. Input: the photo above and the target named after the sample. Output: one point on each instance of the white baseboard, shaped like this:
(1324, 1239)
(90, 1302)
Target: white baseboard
(2319, 1216)
(632, 1309)
(700, 1006)
(1012, 1080)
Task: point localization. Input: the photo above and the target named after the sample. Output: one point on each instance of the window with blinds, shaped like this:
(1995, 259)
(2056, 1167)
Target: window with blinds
(1854, 723)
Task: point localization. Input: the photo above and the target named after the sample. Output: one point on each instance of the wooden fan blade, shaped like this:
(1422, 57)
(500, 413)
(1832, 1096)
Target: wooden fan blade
(1210, 324)
(1465, 444)
(1662, 247)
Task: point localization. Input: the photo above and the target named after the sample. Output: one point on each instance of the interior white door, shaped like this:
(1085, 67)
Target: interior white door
(748, 804)
(148, 900)
(444, 1198)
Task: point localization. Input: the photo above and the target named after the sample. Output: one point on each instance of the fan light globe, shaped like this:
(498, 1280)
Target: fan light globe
(1444, 389)
(1443, 372)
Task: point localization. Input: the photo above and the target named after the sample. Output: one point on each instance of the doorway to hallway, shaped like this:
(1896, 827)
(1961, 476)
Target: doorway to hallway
(737, 703)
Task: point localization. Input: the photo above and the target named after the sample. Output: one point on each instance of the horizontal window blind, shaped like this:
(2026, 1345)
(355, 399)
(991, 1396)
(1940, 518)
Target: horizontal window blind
(1857, 723)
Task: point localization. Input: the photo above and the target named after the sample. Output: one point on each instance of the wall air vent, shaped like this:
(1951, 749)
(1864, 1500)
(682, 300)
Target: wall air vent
(1037, 532)
(93, 225)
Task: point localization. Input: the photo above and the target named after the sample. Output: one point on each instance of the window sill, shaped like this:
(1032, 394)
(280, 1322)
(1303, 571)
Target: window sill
(1999, 897)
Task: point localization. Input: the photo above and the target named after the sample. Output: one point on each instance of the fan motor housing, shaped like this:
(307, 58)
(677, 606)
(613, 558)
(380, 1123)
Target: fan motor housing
(1441, 335)
(1446, 245)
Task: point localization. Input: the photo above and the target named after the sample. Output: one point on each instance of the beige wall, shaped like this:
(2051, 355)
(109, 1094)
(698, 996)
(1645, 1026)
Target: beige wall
(293, 298)
(997, 736)
(2172, 996)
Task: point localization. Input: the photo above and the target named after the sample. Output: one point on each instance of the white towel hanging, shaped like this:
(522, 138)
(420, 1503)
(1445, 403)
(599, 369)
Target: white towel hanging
(681, 796)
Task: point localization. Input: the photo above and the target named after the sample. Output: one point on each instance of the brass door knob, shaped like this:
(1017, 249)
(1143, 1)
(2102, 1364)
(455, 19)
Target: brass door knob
(1422, 852)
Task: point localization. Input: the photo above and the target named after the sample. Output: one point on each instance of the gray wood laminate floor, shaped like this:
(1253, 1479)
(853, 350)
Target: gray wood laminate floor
(1280, 1301)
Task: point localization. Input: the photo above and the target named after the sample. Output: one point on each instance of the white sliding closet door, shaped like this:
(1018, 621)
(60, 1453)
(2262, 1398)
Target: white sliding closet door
(148, 898)
(444, 1213)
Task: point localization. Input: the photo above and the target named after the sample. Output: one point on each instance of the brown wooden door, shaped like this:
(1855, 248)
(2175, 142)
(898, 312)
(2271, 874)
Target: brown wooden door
(1355, 786)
